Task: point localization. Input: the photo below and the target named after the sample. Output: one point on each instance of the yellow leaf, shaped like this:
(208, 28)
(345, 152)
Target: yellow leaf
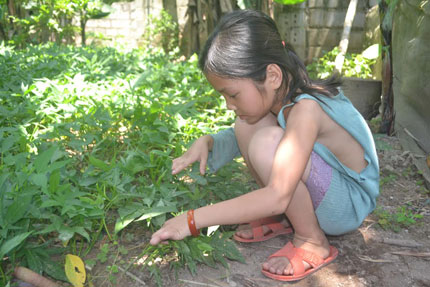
(75, 270)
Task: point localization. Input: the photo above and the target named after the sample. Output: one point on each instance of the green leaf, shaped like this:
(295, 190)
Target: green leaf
(65, 234)
(19, 208)
(204, 246)
(99, 163)
(34, 262)
(200, 180)
(8, 143)
(54, 181)
(10, 244)
(140, 214)
(54, 269)
(42, 160)
(39, 179)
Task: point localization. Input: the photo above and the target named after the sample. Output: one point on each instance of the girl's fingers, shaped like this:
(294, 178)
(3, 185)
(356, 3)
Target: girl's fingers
(203, 166)
(159, 237)
(178, 165)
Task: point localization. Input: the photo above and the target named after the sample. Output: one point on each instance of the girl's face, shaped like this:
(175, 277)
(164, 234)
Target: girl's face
(242, 96)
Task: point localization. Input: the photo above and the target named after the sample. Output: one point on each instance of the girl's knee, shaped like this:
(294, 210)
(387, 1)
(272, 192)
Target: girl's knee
(243, 129)
(264, 143)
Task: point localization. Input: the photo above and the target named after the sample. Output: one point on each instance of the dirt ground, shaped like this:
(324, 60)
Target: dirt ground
(370, 256)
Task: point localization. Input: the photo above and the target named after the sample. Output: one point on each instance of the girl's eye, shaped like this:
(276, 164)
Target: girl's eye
(233, 96)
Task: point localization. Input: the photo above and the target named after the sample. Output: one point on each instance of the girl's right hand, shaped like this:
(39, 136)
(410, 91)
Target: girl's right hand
(199, 151)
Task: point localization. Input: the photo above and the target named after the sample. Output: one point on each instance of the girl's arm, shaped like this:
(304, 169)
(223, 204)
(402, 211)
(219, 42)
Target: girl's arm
(289, 164)
(214, 150)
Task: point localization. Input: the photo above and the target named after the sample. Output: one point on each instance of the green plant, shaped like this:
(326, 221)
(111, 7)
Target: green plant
(25, 22)
(87, 136)
(402, 218)
(406, 217)
(355, 65)
(387, 179)
(161, 32)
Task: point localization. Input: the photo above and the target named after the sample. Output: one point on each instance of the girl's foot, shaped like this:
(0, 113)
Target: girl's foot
(263, 229)
(281, 265)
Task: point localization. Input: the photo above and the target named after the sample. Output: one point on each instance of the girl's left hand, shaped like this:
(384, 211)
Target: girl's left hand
(174, 229)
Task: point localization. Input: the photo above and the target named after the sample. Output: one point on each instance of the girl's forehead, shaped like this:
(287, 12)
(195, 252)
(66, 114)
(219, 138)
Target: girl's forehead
(225, 80)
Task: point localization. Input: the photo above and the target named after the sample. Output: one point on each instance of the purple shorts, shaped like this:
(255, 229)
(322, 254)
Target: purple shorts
(319, 179)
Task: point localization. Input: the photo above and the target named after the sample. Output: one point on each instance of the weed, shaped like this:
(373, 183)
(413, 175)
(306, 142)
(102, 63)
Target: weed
(387, 179)
(402, 218)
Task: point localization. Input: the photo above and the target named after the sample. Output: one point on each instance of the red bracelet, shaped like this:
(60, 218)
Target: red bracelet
(192, 223)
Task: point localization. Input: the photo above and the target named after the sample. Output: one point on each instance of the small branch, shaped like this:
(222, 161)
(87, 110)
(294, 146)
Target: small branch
(401, 242)
(197, 283)
(132, 276)
(409, 253)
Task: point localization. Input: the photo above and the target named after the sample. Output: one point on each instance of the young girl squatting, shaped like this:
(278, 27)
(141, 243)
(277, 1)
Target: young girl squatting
(310, 151)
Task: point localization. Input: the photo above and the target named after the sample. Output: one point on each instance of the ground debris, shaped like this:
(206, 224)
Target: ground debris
(400, 242)
(411, 253)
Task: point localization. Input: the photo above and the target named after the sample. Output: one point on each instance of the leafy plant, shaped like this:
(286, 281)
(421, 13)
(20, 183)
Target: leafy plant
(402, 218)
(23, 21)
(87, 136)
(390, 178)
(161, 31)
(355, 65)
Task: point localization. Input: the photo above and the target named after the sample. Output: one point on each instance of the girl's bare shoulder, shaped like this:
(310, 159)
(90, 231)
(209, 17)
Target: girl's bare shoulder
(306, 109)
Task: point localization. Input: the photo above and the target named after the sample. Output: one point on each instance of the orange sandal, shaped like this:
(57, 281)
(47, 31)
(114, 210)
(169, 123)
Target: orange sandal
(276, 228)
(296, 256)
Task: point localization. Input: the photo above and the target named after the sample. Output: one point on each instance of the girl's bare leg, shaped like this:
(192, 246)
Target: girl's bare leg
(244, 134)
(260, 153)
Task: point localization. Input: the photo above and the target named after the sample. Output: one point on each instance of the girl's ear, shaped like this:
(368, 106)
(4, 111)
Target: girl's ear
(273, 76)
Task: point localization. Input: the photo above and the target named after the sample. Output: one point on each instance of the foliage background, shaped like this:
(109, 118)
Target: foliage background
(86, 141)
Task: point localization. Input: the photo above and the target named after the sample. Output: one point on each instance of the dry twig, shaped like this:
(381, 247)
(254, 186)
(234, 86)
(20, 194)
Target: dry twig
(132, 276)
(410, 253)
(401, 242)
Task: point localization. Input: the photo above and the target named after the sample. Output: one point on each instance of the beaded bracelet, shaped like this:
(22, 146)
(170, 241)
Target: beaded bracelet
(192, 223)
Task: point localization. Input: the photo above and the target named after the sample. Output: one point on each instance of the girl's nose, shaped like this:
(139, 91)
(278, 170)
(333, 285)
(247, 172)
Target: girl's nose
(230, 106)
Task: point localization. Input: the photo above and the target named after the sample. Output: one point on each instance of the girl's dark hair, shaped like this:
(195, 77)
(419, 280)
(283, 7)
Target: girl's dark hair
(245, 42)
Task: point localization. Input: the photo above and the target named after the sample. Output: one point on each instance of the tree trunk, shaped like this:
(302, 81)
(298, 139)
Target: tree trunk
(343, 45)
(388, 114)
(170, 7)
(3, 33)
(202, 17)
(12, 12)
(83, 23)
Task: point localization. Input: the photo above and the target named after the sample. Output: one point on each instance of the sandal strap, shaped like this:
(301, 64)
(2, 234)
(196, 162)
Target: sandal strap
(271, 223)
(296, 256)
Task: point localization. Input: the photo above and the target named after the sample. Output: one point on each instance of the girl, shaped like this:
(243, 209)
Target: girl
(307, 147)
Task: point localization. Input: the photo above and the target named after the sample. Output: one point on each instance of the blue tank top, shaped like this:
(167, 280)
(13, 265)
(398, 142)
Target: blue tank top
(341, 110)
